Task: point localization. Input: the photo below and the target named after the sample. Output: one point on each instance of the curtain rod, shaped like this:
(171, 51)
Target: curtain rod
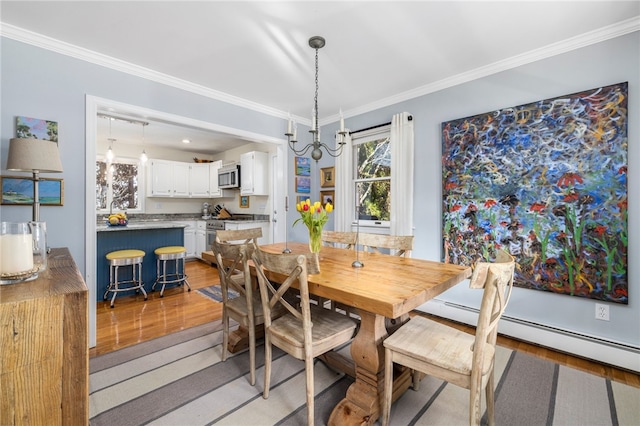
(375, 127)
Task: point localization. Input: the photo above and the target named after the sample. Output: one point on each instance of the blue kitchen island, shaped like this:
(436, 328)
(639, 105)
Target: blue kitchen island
(145, 236)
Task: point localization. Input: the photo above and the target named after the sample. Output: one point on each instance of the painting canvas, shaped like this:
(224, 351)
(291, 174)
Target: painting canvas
(303, 185)
(547, 181)
(35, 128)
(19, 191)
(303, 166)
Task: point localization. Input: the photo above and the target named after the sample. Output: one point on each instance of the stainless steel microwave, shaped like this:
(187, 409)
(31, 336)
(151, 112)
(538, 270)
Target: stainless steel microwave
(229, 176)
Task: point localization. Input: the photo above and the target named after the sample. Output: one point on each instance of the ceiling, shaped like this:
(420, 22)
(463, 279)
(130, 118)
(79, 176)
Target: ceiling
(256, 53)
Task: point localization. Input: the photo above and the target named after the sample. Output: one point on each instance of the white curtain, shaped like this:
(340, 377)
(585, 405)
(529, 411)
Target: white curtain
(344, 198)
(401, 140)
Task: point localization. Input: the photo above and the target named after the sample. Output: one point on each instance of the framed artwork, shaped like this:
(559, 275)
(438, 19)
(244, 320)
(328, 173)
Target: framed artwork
(546, 181)
(19, 191)
(303, 185)
(302, 166)
(244, 201)
(35, 128)
(301, 198)
(327, 177)
(327, 197)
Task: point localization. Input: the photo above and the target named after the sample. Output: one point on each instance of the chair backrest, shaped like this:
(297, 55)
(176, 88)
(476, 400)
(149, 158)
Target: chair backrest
(291, 268)
(397, 245)
(497, 280)
(239, 235)
(339, 239)
(231, 263)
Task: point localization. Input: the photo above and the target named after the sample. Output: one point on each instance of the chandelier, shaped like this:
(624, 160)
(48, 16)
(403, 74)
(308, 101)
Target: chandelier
(316, 42)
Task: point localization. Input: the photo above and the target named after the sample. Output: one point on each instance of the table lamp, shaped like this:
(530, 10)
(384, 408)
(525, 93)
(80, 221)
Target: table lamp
(35, 156)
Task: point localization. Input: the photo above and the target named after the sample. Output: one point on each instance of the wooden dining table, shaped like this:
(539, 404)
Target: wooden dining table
(384, 287)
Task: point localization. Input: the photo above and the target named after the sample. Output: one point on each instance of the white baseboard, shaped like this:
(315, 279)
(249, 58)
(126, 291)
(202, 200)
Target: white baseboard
(612, 353)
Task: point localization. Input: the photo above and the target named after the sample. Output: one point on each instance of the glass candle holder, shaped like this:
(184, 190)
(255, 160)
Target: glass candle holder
(23, 251)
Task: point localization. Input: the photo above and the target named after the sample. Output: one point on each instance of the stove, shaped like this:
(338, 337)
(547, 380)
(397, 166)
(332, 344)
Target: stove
(215, 224)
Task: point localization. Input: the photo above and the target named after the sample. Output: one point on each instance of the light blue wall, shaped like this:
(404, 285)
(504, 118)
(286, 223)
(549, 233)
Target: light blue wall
(42, 84)
(610, 62)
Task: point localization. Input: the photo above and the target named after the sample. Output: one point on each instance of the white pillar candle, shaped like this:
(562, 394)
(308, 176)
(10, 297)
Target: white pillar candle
(289, 126)
(341, 121)
(16, 253)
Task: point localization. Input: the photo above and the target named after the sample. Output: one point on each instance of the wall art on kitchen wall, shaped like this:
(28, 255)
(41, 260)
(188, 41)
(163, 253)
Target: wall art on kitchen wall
(244, 201)
(303, 185)
(301, 198)
(548, 182)
(327, 197)
(327, 177)
(302, 166)
(35, 128)
(18, 191)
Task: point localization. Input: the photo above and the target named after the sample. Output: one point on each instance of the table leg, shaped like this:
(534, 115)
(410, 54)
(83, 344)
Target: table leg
(239, 338)
(361, 406)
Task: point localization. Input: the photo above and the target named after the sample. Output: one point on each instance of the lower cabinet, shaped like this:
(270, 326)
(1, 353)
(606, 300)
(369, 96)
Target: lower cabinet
(189, 237)
(201, 238)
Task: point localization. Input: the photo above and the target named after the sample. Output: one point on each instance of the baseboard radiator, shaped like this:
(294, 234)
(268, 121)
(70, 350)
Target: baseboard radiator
(591, 347)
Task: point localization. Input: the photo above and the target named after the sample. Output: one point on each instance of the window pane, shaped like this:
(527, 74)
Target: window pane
(374, 159)
(101, 185)
(375, 200)
(125, 186)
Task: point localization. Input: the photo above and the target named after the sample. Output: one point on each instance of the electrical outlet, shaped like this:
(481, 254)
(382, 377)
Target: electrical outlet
(602, 312)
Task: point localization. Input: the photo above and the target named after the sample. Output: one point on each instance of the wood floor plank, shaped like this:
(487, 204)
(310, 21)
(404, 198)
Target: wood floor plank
(134, 320)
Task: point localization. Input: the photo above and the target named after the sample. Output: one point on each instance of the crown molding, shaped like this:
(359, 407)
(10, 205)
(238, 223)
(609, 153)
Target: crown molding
(64, 48)
(602, 34)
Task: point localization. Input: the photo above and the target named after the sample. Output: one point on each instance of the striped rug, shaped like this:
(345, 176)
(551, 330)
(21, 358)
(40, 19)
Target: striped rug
(179, 380)
(214, 292)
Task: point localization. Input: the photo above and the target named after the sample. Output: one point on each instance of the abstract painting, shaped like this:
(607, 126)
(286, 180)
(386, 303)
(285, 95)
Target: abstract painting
(36, 128)
(546, 181)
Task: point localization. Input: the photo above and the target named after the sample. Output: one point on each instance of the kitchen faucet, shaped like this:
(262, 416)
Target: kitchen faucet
(111, 207)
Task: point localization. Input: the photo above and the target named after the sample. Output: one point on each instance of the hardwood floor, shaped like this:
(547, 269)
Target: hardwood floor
(133, 320)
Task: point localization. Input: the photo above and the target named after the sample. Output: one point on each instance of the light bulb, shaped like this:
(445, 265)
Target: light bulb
(110, 154)
(143, 157)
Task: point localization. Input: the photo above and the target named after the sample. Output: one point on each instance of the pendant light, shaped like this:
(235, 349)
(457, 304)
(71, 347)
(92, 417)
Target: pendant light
(143, 156)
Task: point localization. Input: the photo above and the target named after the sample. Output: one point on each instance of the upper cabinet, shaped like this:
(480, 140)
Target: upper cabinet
(199, 180)
(168, 179)
(178, 179)
(253, 173)
(214, 190)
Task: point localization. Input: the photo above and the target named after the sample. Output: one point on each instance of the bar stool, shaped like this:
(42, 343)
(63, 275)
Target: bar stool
(163, 254)
(120, 258)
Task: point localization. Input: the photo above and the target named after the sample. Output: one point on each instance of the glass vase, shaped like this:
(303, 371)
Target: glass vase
(315, 239)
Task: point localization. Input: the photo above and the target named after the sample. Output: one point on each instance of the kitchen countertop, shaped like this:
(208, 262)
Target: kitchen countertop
(136, 225)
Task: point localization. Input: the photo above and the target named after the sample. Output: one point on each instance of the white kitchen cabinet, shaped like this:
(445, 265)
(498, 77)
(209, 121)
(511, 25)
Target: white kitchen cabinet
(189, 237)
(247, 224)
(214, 190)
(199, 180)
(253, 173)
(168, 179)
(201, 238)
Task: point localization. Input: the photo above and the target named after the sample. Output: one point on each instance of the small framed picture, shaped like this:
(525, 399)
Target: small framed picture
(327, 197)
(244, 201)
(301, 198)
(327, 177)
(303, 185)
(302, 166)
(19, 191)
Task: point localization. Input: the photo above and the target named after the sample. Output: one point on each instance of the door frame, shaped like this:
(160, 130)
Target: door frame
(93, 105)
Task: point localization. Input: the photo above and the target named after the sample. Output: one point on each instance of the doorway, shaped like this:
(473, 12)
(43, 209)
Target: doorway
(95, 105)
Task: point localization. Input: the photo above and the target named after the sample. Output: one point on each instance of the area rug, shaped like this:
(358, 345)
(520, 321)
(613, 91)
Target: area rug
(214, 292)
(179, 379)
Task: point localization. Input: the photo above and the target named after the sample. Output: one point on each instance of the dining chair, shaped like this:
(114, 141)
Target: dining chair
(396, 245)
(388, 244)
(462, 359)
(246, 308)
(339, 239)
(305, 331)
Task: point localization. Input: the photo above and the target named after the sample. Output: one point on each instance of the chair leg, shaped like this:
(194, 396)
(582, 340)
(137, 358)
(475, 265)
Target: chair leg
(388, 387)
(267, 365)
(490, 402)
(252, 353)
(475, 403)
(308, 366)
(225, 333)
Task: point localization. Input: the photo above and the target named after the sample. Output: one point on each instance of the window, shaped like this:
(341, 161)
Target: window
(372, 175)
(118, 182)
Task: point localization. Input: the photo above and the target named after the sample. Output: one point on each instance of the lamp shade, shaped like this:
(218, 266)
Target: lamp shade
(33, 155)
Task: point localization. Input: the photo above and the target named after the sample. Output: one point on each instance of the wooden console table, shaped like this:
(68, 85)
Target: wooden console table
(44, 347)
